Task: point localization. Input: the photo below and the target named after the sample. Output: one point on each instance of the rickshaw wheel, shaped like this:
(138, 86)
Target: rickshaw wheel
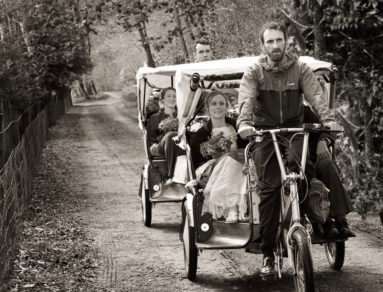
(335, 252)
(190, 249)
(304, 271)
(146, 205)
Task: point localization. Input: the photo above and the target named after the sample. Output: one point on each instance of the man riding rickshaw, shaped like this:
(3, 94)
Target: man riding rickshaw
(233, 220)
(224, 202)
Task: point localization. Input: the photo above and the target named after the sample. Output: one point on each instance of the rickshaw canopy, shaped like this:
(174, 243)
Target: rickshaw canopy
(179, 76)
(216, 68)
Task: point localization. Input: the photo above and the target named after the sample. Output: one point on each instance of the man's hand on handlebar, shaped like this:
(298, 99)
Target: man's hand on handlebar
(334, 126)
(322, 150)
(246, 131)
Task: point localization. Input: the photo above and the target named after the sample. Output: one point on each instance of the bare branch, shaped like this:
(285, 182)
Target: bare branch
(289, 17)
(313, 30)
(354, 41)
(220, 9)
(364, 130)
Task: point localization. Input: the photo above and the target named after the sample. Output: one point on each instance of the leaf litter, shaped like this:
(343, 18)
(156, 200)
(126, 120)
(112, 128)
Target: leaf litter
(55, 253)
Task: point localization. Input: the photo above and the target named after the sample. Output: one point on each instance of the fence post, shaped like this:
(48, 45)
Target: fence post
(14, 131)
(7, 138)
(52, 110)
(2, 135)
(67, 99)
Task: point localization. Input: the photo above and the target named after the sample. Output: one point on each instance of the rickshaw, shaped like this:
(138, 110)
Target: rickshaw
(153, 189)
(199, 231)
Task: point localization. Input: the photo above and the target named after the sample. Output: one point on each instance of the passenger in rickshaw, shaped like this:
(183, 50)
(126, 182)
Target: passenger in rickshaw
(202, 53)
(152, 105)
(202, 50)
(269, 97)
(162, 128)
(214, 149)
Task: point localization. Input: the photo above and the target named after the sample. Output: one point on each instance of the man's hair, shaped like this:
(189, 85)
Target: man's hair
(202, 41)
(272, 25)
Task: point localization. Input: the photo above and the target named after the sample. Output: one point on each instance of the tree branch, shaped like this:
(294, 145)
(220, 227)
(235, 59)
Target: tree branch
(311, 32)
(293, 20)
(220, 9)
(364, 130)
(354, 41)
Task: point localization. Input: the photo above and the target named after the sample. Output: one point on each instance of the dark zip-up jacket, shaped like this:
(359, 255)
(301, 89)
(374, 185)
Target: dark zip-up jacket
(272, 96)
(153, 132)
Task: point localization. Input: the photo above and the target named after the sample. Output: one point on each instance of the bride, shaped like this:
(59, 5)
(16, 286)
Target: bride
(225, 190)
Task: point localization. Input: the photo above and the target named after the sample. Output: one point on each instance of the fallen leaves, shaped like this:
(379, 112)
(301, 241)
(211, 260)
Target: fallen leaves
(55, 252)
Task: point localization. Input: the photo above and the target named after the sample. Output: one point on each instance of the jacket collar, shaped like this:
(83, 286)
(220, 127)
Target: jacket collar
(268, 65)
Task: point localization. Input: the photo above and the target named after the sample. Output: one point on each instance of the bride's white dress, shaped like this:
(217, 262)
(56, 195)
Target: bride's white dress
(226, 186)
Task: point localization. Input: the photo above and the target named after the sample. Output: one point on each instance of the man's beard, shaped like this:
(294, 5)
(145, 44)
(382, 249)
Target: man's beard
(276, 55)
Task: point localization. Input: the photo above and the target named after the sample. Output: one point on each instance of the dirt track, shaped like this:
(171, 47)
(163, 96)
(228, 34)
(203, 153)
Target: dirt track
(108, 159)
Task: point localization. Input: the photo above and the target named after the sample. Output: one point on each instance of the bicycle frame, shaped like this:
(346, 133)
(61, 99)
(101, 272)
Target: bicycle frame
(291, 178)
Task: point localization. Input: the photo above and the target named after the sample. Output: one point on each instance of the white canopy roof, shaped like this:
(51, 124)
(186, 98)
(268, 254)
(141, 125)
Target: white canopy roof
(221, 66)
(178, 76)
(218, 67)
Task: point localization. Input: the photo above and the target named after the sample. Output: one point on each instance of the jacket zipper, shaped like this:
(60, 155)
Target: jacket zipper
(280, 101)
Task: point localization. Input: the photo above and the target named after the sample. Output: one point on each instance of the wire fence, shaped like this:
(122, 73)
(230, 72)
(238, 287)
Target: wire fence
(16, 177)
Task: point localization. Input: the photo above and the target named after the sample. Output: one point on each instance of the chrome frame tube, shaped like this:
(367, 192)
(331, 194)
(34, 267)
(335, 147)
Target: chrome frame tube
(304, 154)
(294, 201)
(279, 156)
(251, 218)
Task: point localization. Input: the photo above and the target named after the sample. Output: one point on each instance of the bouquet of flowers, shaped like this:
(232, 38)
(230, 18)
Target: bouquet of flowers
(216, 146)
(168, 124)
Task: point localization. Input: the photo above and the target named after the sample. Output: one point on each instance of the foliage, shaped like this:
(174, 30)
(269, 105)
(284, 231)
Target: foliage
(57, 46)
(356, 28)
(132, 15)
(43, 46)
(365, 184)
(230, 26)
(116, 55)
(353, 34)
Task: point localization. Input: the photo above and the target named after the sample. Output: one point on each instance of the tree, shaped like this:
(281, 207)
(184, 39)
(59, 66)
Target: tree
(349, 33)
(132, 15)
(43, 49)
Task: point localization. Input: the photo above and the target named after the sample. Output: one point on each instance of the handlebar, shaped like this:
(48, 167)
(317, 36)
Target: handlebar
(318, 128)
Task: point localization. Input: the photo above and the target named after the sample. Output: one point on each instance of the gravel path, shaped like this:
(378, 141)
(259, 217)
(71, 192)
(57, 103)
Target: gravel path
(107, 159)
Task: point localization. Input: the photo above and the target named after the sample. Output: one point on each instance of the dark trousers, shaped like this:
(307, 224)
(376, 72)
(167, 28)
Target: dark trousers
(168, 148)
(269, 185)
(327, 172)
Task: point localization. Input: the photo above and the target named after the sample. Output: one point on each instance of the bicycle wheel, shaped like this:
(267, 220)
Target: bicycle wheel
(146, 205)
(303, 264)
(190, 249)
(335, 252)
